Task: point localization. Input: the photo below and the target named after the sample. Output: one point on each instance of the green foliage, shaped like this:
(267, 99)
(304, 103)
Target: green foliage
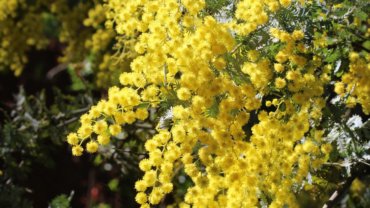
(216, 6)
(77, 83)
(113, 184)
(13, 197)
(61, 201)
(29, 134)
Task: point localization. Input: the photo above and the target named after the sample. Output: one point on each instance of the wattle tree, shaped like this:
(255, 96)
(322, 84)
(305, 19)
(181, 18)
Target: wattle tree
(228, 103)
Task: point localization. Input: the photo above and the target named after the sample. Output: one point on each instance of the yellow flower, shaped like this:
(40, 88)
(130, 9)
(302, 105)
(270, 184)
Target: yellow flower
(141, 185)
(77, 150)
(280, 83)
(145, 165)
(339, 88)
(103, 139)
(183, 93)
(298, 34)
(167, 188)
(141, 198)
(85, 119)
(85, 131)
(150, 177)
(279, 68)
(285, 3)
(220, 63)
(253, 55)
(141, 113)
(92, 147)
(115, 129)
(156, 195)
(326, 148)
(100, 127)
(72, 139)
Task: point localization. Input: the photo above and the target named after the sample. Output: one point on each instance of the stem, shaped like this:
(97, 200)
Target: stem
(68, 122)
(341, 192)
(82, 110)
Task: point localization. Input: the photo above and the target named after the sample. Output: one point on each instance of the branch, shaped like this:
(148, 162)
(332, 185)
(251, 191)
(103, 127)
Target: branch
(82, 110)
(341, 192)
(54, 71)
(68, 122)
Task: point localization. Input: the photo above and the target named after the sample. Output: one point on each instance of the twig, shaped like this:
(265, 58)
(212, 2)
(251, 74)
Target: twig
(236, 48)
(54, 71)
(335, 164)
(144, 125)
(68, 122)
(130, 152)
(82, 110)
(341, 192)
(363, 162)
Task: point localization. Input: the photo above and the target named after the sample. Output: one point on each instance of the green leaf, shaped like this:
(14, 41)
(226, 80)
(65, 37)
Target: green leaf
(98, 160)
(213, 110)
(334, 56)
(282, 107)
(61, 201)
(143, 105)
(214, 6)
(361, 15)
(77, 83)
(366, 44)
(341, 66)
(51, 28)
(102, 205)
(113, 184)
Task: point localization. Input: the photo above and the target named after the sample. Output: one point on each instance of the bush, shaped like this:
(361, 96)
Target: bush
(218, 103)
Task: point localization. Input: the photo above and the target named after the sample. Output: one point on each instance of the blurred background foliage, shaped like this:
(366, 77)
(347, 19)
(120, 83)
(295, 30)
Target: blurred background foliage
(55, 62)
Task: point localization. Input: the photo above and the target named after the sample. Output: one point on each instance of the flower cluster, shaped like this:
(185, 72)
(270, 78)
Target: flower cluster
(19, 34)
(79, 27)
(8, 8)
(180, 51)
(105, 119)
(355, 84)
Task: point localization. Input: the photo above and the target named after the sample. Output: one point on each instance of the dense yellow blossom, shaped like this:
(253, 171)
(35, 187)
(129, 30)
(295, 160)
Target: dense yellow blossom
(8, 8)
(234, 170)
(355, 84)
(216, 82)
(86, 42)
(18, 35)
